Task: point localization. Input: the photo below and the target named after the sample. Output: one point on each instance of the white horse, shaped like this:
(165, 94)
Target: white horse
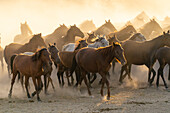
(99, 42)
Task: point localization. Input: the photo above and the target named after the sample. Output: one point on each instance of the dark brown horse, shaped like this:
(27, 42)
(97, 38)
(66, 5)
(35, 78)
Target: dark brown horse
(141, 53)
(69, 37)
(98, 61)
(31, 66)
(14, 48)
(163, 57)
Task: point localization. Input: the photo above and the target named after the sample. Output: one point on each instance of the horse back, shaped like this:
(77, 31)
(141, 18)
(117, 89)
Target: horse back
(66, 58)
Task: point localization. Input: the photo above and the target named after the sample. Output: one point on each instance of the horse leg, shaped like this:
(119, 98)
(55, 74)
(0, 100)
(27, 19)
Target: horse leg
(78, 75)
(45, 84)
(12, 83)
(36, 88)
(164, 80)
(103, 82)
(2, 64)
(8, 67)
(26, 86)
(85, 81)
(129, 70)
(113, 66)
(22, 81)
(160, 70)
(51, 81)
(124, 68)
(69, 84)
(159, 73)
(169, 72)
(108, 89)
(94, 78)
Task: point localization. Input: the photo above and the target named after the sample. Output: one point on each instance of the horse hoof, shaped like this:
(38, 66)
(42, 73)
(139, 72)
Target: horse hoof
(108, 98)
(9, 95)
(39, 100)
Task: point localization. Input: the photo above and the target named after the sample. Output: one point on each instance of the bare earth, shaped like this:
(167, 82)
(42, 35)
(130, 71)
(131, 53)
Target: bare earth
(131, 97)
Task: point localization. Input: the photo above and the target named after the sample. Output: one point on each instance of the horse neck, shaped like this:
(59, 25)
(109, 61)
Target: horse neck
(108, 53)
(156, 43)
(70, 37)
(27, 47)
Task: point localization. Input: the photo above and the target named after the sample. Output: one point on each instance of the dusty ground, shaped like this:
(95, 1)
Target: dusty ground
(130, 97)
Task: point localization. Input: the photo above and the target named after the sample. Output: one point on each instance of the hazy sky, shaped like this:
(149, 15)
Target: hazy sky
(45, 15)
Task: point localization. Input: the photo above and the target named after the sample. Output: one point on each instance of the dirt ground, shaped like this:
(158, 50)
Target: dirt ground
(130, 97)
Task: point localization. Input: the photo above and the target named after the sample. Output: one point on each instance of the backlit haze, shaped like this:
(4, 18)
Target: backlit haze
(44, 16)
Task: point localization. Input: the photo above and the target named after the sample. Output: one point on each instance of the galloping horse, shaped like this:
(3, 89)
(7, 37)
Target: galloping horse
(97, 61)
(31, 66)
(15, 48)
(69, 37)
(142, 53)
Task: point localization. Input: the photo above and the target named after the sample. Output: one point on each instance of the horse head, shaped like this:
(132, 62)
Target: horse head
(76, 31)
(54, 53)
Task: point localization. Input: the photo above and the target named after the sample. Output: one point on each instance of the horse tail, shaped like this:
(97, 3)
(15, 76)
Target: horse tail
(11, 62)
(74, 65)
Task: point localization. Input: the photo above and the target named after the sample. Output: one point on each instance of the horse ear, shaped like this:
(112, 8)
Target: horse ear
(109, 20)
(39, 34)
(88, 33)
(164, 33)
(25, 22)
(106, 21)
(74, 24)
(114, 44)
(168, 31)
(49, 44)
(54, 43)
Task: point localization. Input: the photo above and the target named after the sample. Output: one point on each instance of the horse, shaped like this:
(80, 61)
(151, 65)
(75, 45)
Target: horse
(124, 33)
(99, 42)
(105, 29)
(31, 66)
(97, 61)
(142, 53)
(151, 29)
(69, 37)
(58, 33)
(162, 55)
(15, 48)
(1, 57)
(91, 36)
(66, 58)
(87, 26)
(25, 35)
(46, 73)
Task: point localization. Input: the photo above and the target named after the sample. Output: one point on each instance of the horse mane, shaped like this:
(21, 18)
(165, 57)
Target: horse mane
(37, 55)
(78, 42)
(106, 50)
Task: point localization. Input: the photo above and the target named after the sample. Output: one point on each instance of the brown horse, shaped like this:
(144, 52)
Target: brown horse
(124, 33)
(69, 37)
(15, 48)
(141, 53)
(163, 57)
(1, 57)
(105, 29)
(31, 66)
(98, 61)
(91, 36)
(66, 59)
(58, 33)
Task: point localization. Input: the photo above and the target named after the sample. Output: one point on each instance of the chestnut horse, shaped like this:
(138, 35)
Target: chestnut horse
(31, 66)
(97, 61)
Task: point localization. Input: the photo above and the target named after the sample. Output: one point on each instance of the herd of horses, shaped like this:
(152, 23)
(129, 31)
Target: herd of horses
(91, 53)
